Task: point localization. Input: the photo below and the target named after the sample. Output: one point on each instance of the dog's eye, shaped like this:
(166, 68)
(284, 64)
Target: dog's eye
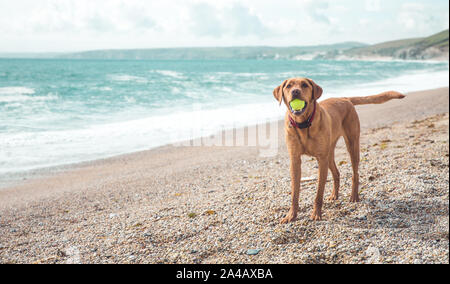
(304, 85)
(288, 86)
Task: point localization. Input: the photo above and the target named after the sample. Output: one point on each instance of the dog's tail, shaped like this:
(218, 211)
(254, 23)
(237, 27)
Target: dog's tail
(376, 99)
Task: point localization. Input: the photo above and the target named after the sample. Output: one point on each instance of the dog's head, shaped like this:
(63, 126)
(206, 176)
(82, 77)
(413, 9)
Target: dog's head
(298, 88)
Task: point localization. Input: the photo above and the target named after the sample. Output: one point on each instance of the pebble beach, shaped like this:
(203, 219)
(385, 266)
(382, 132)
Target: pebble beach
(224, 204)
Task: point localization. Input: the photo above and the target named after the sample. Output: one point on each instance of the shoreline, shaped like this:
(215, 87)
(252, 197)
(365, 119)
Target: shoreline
(28, 151)
(15, 179)
(214, 204)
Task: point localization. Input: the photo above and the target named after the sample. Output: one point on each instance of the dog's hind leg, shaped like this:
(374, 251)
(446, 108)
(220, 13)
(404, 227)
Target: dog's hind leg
(335, 172)
(351, 137)
(353, 149)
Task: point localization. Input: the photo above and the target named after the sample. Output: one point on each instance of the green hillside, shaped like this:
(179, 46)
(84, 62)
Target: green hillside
(439, 40)
(432, 47)
(206, 53)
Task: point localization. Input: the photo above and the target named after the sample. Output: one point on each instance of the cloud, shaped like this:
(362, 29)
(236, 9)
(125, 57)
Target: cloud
(407, 16)
(139, 17)
(318, 11)
(85, 24)
(237, 20)
(55, 16)
(373, 5)
(205, 20)
(412, 17)
(244, 23)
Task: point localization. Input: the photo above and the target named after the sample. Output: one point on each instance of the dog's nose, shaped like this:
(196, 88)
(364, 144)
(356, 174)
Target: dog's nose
(295, 92)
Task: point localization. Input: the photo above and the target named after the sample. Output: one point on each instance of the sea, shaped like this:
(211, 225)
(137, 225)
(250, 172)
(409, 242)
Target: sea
(56, 112)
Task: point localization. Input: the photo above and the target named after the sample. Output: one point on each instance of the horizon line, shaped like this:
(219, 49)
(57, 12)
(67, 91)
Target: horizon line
(183, 47)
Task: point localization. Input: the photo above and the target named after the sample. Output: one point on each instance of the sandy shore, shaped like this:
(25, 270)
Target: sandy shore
(213, 204)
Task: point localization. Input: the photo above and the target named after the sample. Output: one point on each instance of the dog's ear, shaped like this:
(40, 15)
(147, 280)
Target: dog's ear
(317, 90)
(278, 92)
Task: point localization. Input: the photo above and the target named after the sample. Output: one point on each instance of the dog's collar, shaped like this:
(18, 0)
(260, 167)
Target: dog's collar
(305, 124)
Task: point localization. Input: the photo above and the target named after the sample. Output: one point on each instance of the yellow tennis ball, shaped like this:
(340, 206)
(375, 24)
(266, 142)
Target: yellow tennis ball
(297, 104)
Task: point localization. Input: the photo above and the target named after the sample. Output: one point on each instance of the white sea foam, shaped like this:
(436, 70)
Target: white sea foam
(308, 56)
(169, 73)
(128, 78)
(22, 94)
(130, 99)
(240, 74)
(175, 90)
(16, 91)
(29, 150)
(416, 81)
(104, 89)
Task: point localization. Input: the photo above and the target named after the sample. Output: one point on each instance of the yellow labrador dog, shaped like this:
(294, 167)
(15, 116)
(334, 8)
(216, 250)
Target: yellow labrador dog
(314, 131)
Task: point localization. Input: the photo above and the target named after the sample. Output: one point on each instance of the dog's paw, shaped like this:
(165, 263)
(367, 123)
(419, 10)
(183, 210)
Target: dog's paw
(354, 198)
(316, 216)
(333, 197)
(289, 218)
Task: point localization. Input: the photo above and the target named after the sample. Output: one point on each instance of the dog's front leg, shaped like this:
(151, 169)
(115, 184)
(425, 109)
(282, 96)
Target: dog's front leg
(323, 173)
(296, 172)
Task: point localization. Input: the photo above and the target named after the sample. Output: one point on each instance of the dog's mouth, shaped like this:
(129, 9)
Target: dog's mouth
(298, 112)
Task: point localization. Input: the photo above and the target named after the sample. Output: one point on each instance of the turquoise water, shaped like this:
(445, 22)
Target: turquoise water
(55, 112)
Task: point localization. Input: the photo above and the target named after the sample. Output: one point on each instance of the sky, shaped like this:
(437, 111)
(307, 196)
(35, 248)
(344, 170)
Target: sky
(78, 25)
